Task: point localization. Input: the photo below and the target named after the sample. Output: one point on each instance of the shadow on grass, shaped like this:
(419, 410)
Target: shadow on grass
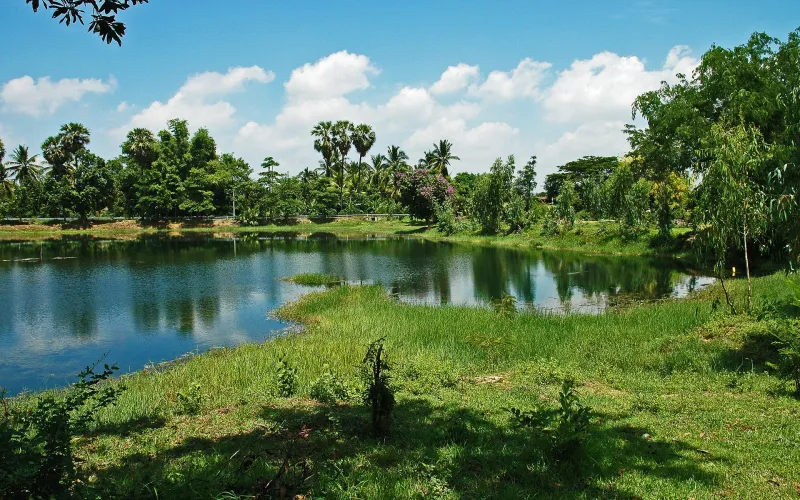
(328, 452)
(129, 427)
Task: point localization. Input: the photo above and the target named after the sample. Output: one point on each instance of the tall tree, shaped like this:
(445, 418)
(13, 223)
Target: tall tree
(397, 160)
(103, 13)
(363, 140)
(342, 142)
(442, 155)
(141, 147)
(525, 184)
(269, 176)
(23, 165)
(323, 144)
(733, 203)
(6, 183)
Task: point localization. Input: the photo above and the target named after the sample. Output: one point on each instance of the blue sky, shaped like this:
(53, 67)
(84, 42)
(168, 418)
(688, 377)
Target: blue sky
(552, 79)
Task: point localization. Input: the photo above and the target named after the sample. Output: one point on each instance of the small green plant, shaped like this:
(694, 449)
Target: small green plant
(36, 454)
(505, 305)
(564, 429)
(329, 388)
(286, 378)
(379, 395)
(190, 401)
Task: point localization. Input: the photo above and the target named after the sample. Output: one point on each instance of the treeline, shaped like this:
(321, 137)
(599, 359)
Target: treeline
(719, 151)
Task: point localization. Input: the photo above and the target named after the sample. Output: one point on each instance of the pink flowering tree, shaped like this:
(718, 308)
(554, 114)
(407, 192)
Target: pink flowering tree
(422, 190)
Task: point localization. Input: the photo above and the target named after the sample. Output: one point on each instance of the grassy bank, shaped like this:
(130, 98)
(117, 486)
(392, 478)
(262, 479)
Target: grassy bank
(586, 236)
(681, 407)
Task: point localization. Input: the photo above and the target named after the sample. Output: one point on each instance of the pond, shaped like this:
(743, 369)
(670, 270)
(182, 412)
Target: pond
(65, 303)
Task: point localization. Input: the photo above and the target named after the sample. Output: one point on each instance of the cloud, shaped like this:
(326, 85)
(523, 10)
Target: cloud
(605, 86)
(333, 76)
(523, 81)
(412, 110)
(123, 107)
(191, 102)
(598, 138)
(44, 97)
(455, 78)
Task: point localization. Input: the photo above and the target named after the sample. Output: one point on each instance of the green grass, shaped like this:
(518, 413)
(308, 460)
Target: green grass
(587, 236)
(314, 279)
(682, 407)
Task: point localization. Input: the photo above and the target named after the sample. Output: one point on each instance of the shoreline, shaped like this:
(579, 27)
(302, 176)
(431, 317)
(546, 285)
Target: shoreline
(587, 237)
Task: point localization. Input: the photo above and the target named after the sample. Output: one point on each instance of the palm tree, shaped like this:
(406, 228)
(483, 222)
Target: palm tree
(397, 160)
(23, 166)
(380, 170)
(363, 140)
(442, 155)
(323, 143)
(6, 184)
(140, 146)
(428, 161)
(342, 142)
(75, 137)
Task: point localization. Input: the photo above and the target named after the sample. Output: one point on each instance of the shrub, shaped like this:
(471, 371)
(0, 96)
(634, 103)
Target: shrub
(565, 429)
(506, 305)
(286, 378)
(36, 459)
(329, 388)
(190, 401)
(379, 394)
(787, 334)
(446, 218)
(421, 191)
(515, 215)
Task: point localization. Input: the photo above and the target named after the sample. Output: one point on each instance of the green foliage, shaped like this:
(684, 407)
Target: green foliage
(329, 388)
(190, 401)
(565, 206)
(515, 214)
(379, 395)
(787, 334)
(566, 429)
(36, 439)
(285, 378)
(490, 194)
(104, 21)
(446, 222)
(505, 305)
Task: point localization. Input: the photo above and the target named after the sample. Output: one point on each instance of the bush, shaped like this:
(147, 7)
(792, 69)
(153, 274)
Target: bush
(379, 395)
(515, 215)
(286, 378)
(329, 388)
(446, 222)
(189, 402)
(787, 334)
(36, 459)
(565, 429)
(506, 305)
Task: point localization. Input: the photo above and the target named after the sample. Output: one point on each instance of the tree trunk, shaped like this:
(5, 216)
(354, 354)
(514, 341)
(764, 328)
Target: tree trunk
(747, 268)
(727, 296)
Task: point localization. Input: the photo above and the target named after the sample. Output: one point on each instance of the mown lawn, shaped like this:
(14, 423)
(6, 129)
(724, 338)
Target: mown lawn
(681, 408)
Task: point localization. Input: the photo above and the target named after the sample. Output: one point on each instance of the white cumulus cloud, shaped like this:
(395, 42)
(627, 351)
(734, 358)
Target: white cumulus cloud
(193, 101)
(455, 78)
(523, 81)
(44, 96)
(605, 86)
(335, 75)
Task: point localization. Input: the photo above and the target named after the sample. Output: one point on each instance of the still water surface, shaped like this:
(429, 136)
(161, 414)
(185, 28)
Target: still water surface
(65, 303)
